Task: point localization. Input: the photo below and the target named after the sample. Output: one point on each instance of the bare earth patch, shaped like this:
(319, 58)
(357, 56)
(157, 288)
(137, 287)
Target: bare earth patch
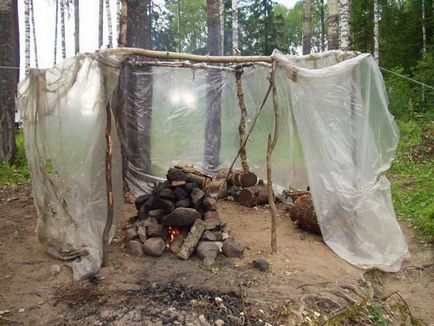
(306, 281)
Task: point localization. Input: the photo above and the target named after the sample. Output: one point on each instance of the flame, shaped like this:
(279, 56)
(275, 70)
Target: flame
(173, 233)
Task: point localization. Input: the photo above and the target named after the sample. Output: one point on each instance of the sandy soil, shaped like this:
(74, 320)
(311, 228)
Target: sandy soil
(304, 268)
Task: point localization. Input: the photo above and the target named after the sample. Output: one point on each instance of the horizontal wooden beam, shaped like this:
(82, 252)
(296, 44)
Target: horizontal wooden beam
(185, 56)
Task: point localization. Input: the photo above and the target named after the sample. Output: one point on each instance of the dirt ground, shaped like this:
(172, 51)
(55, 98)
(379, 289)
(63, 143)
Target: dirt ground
(306, 281)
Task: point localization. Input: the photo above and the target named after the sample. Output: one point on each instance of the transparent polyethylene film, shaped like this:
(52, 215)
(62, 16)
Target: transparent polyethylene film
(165, 123)
(349, 139)
(64, 116)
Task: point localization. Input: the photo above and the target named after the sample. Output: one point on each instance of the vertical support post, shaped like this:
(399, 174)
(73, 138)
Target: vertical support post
(243, 120)
(270, 148)
(109, 186)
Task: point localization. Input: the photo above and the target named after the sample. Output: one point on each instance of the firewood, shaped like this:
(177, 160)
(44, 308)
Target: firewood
(252, 196)
(175, 245)
(238, 178)
(192, 239)
(154, 230)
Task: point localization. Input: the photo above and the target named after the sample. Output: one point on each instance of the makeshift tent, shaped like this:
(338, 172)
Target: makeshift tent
(336, 136)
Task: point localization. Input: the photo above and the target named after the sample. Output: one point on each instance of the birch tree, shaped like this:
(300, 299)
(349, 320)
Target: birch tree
(333, 25)
(424, 27)
(322, 22)
(27, 36)
(222, 25)
(376, 31)
(344, 24)
(35, 42)
(109, 23)
(62, 27)
(77, 26)
(56, 30)
(9, 57)
(307, 18)
(235, 45)
(100, 22)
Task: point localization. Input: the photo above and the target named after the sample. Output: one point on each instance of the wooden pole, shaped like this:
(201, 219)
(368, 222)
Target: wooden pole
(255, 118)
(270, 148)
(109, 187)
(243, 120)
(185, 56)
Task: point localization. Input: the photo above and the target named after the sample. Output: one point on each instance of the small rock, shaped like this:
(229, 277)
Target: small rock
(185, 202)
(177, 183)
(141, 200)
(212, 224)
(232, 248)
(147, 222)
(53, 270)
(209, 236)
(21, 310)
(203, 321)
(176, 175)
(219, 322)
(180, 193)
(189, 186)
(131, 234)
(207, 249)
(211, 215)
(181, 217)
(217, 235)
(210, 204)
(154, 246)
(157, 212)
(135, 248)
(167, 194)
(261, 264)
(196, 195)
(154, 230)
(141, 232)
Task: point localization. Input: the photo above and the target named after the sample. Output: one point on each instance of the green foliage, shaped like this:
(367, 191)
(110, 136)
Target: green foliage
(16, 171)
(412, 185)
(377, 314)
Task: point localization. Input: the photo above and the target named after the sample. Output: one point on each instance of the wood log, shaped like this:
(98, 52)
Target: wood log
(175, 245)
(252, 196)
(192, 239)
(155, 230)
(238, 178)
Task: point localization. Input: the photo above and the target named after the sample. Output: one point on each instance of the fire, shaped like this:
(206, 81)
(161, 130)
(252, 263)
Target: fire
(173, 233)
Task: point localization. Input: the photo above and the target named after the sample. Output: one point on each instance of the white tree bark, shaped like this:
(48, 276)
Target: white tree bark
(35, 43)
(109, 23)
(344, 24)
(62, 27)
(118, 15)
(424, 27)
(376, 31)
(77, 26)
(307, 17)
(56, 32)
(100, 22)
(333, 25)
(222, 25)
(27, 36)
(235, 45)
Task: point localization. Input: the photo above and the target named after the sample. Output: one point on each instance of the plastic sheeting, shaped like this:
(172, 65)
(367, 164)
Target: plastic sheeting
(349, 139)
(336, 135)
(64, 117)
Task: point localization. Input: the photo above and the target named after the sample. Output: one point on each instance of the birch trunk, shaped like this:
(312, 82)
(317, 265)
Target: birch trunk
(100, 22)
(235, 45)
(321, 16)
(307, 17)
(77, 25)
(333, 25)
(423, 27)
(35, 43)
(213, 91)
(118, 16)
(376, 31)
(27, 36)
(344, 24)
(9, 56)
(222, 25)
(62, 27)
(56, 32)
(109, 23)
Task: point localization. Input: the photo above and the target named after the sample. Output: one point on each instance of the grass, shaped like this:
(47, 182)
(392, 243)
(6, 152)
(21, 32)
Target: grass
(12, 173)
(411, 175)
(412, 179)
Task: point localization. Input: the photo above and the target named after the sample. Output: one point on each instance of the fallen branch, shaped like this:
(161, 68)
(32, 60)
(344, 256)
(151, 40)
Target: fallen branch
(243, 120)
